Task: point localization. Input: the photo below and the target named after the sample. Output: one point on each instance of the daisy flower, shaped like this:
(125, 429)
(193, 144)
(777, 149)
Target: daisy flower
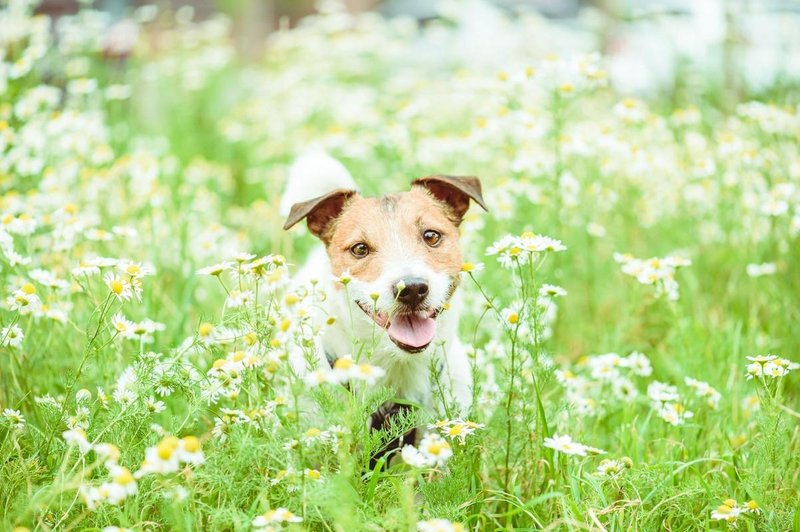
(439, 525)
(433, 451)
(565, 444)
(11, 335)
(271, 517)
(120, 288)
(215, 269)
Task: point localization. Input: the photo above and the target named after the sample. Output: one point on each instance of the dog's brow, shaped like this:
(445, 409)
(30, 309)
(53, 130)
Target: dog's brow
(389, 202)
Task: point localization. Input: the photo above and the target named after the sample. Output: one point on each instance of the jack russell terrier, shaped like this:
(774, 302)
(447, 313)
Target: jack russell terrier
(402, 254)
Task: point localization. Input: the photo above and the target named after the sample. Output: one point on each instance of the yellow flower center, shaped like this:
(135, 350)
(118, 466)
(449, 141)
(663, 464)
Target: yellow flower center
(191, 444)
(436, 448)
(124, 477)
(164, 451)
(343, 364)
(116, 286)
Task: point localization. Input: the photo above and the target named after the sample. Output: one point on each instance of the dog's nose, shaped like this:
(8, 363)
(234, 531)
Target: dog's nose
(411, 291)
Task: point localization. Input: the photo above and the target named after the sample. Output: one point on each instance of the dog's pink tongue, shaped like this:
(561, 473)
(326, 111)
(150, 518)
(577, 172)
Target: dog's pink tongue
(413, 330)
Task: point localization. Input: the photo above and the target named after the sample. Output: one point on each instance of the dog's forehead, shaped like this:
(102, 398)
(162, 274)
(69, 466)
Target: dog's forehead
(414, 203)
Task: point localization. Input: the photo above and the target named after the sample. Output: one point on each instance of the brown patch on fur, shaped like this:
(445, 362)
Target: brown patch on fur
(392, 228)
(320, 212)
(455, 192)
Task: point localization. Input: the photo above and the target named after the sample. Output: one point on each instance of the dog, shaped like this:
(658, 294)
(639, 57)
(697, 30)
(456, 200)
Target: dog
(400, 258)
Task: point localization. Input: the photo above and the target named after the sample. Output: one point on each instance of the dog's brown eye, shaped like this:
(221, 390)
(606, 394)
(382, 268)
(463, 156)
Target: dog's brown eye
(432, 238)
(360, 250)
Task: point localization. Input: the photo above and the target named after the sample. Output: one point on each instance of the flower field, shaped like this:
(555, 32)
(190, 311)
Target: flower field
(631, 299)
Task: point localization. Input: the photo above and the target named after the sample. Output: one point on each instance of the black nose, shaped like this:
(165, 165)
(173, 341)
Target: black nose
(414, 291)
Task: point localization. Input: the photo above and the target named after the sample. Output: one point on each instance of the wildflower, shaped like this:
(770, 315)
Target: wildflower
(638, 363)
(320, 376)
(154, 406)
(456, 428)
(24, 300)
(704, 390)
(189, 451)
(135, 270)
(162, 458)
(107, 452)
(312, 474)
(514, 250)
(659, 272)
(469, 267)
(11, 335)
(237, 298)
(610, 468)
(120, 288)
(344, 370)
(769, 366)
(433, 451)
(674, 413)
(552, 291)
(565, 444)
(761, 270)
(123, 484)
(439, 525)
(122, 325)
(216, 269)
(207, 333)
(14, 418)
(659, 392)
(271, 517)
(77, 437)
(728, 511)
(510, 316)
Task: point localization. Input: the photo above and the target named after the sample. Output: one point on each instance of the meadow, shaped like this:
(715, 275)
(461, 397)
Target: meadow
(635, 370)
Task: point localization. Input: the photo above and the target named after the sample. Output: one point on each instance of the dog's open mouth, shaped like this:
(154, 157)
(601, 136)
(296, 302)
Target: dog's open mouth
(410, 331)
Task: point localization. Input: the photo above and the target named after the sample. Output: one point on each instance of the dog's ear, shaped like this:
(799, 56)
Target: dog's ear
(454, 191)
(319, 212)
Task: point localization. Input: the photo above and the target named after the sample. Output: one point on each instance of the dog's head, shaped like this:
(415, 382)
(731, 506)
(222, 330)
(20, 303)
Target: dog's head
(401, 250)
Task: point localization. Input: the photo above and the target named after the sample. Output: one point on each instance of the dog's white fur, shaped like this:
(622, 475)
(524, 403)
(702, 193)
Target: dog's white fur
(443, 367)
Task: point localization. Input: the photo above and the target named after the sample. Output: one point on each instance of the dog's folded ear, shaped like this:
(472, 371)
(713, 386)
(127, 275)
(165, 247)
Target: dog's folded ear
(454, 191)
(319, 212)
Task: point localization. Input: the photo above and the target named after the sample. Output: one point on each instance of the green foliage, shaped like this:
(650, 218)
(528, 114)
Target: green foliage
(173, 155)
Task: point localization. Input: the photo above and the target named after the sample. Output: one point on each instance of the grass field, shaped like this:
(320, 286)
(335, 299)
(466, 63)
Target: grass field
(636, 373)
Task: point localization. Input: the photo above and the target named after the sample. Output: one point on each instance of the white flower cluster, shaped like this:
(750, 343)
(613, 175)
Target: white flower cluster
(512, 250)
(564, 444)
(666, 401)
(658, 272)
(730, 511)
(432, 451)
(456, 429)
(587, 384)
(771, 366)
(165, 457)
(345, 369)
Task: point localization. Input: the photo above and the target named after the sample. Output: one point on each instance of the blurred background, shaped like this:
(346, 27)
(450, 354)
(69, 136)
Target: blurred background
(745, 47)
